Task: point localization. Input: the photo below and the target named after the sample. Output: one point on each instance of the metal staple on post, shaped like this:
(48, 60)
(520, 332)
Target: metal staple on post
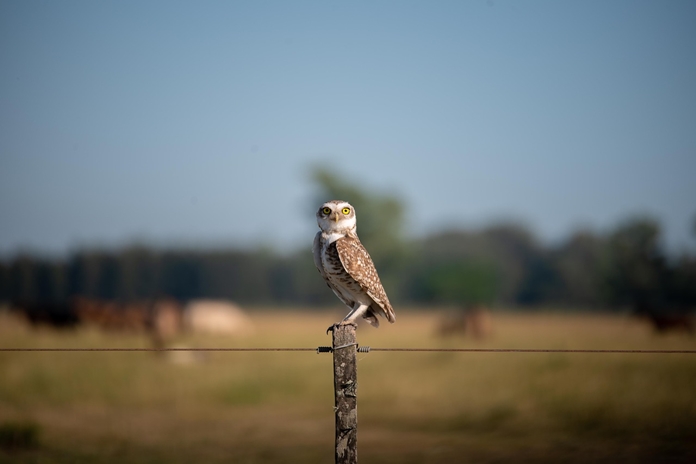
(328, 349)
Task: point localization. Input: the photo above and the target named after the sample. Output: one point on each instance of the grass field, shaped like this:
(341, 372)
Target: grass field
(412, 407)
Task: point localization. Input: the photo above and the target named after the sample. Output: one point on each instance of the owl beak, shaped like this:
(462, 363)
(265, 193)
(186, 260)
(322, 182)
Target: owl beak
(336, 217)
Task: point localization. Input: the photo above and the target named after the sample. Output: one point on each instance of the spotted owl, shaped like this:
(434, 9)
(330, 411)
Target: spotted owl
(346, 266)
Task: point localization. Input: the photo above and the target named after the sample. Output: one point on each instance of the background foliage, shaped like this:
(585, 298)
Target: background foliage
(502, 264)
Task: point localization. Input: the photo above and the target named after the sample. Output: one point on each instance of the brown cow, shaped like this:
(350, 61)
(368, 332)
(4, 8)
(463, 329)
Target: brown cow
(475, 322)
(112, 316)
(160, 318)
(672, 322)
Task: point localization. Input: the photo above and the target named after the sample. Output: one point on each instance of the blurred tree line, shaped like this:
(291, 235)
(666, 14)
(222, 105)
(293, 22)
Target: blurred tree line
(500, 265)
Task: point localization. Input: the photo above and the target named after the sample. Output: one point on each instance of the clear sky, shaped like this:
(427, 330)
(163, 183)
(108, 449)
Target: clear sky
(196, 122)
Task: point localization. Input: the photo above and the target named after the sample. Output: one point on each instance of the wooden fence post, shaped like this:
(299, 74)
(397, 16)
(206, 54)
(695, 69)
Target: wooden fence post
(345, 346)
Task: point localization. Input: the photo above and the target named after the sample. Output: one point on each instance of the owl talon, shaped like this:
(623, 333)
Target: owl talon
(343, 322)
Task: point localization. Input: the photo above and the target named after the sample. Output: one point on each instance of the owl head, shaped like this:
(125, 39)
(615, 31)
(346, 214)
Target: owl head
(336, 216)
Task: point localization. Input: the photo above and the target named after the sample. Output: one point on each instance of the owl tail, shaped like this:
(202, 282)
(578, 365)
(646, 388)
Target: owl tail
(371, 317)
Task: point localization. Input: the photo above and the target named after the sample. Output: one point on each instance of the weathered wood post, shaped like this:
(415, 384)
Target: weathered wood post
(345, 346)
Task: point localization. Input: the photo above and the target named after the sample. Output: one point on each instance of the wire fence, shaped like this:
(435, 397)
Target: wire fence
(362, 349)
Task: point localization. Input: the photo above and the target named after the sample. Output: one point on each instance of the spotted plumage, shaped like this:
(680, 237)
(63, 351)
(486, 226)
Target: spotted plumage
(346, 266)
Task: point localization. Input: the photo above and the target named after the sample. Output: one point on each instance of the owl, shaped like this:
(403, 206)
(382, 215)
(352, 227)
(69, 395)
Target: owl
(346, 266)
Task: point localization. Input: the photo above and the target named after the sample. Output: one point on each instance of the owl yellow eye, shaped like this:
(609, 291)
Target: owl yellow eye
(326, 210)
(345, 210)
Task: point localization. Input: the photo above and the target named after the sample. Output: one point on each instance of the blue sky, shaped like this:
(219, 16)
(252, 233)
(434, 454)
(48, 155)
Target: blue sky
(196, 122)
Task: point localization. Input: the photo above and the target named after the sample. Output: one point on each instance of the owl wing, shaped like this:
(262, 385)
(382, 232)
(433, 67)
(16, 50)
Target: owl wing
(316, 253)
(357, 262)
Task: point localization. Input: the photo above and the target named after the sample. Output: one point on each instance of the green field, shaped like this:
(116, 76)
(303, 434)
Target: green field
(413, 407)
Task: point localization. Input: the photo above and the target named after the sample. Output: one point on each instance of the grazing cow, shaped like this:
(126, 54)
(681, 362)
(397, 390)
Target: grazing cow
(664, 318)
(113, 316)
(475, 322)
(166, 321)
(216, 317)
(47, 314)
(672, 322)
(161, 317)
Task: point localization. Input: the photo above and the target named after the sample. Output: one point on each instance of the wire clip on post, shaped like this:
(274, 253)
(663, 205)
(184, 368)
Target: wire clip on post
(328, 349)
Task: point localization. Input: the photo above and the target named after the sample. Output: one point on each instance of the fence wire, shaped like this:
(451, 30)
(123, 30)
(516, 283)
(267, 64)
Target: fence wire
(363, 349)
